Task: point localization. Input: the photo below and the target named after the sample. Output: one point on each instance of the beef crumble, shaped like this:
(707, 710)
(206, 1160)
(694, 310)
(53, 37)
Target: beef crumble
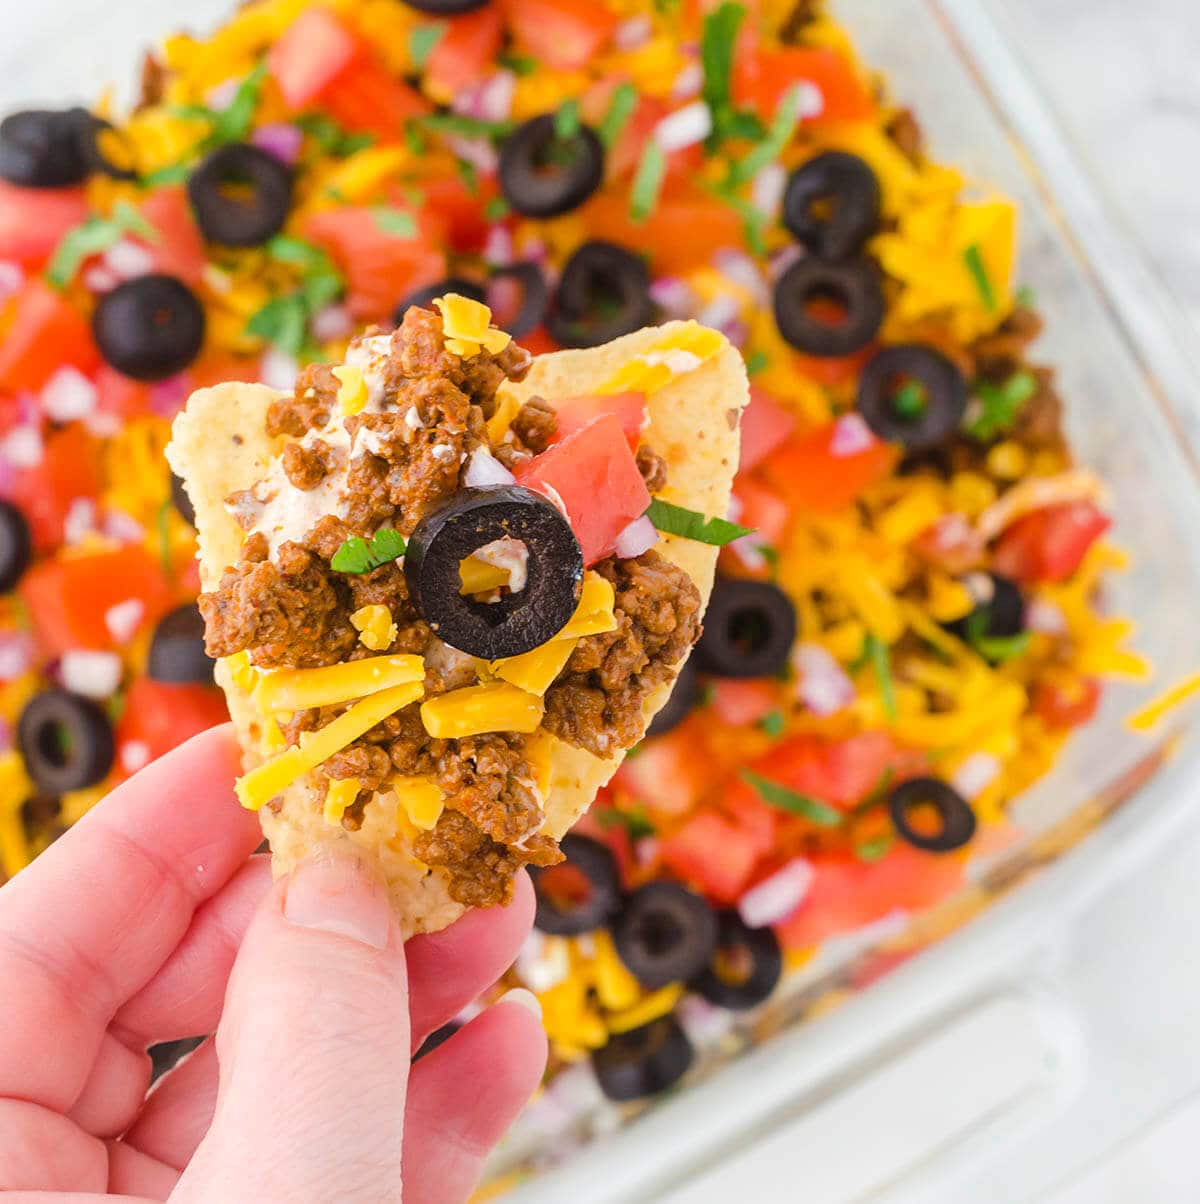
(312, 402)
(652, 467)
(535, 424)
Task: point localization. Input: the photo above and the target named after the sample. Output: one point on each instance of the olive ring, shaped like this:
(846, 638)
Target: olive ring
(597, 865)
(149, 327)
(234, 219)
(423, 297)
(955, 813)
(945, 396)
(853, 285)
(603, 293)
(665, 933)
(66, 741)
(753, 954)
(851, 190)
(543, 174)
(643, 1061)
(748, 630)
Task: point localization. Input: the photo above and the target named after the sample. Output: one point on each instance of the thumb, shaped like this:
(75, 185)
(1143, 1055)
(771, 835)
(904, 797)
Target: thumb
(313, 1048)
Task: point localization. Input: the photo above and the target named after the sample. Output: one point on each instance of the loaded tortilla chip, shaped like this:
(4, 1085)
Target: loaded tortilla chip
(449, 585)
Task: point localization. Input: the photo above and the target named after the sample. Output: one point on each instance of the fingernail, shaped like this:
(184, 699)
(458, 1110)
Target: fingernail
(336, 895)
(526, 999)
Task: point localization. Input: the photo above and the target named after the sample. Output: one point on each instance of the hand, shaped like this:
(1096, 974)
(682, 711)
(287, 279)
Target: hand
(149, 921)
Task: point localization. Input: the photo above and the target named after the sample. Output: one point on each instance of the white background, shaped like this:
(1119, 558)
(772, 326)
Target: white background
(1125, 80)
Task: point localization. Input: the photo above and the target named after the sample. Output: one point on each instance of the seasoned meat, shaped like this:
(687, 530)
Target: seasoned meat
(1039, 422)
(652, 467)
(488, 779)
(597, 704)
(1000, 354)
(535, 424)
(309, 407)
(307, 467)
(905, 131)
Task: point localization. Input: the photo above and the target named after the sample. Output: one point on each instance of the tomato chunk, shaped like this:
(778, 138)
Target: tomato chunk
(69, 470)
(740, 703)
(365, 97)
(1067, 702)
(70, 599)
(761, 509)
(46, 333)
(310, 55)
(464, 53)
(595, 476)
(766, 423)
(762, 76)
(33, 220)
(629, 409)
(813, 471)
(665, 774)
(711, 854)
(564, 34)
(158, 716)
(1050, 544)
(179, 248)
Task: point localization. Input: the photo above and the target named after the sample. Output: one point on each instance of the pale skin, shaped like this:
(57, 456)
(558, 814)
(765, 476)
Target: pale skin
(150, 920)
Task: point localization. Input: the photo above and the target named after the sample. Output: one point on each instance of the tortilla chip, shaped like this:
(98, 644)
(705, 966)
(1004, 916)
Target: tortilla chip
(220, 446)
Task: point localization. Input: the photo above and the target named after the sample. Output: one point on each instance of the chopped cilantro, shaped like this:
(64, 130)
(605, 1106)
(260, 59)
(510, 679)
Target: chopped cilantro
(689, 524)
(756, 362)
(804, 805)
(718, 41)
(705, 695)
(1026, 297)
(93, 236)
(620, 109)
(233, 122)
(754, 221)
(771, 556)
(635, 822)
(647, 182)
(467, 127)
(421, 42)
(331, 137)
(999, 405)
(995, 648)
(164, 177)
(395, 221)
(973, 256)
(773, 724)
(518, 64)
(770, 147)
(881, 663)
(469, 175)
(282, 322)
(567, 120)
(874, 850)
(497, 209)
(358, 555)
(909, 400)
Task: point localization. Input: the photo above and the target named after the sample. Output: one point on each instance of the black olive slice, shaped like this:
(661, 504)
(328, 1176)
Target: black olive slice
(832, 204)
(445, 8)
(519, 621)
(748, 629)
(912, 395)
(535, 296)
(181, 501)
(543, 174)
(746, 967)
(97, 137)
(680, 702)
(954, 812)
(437, 1038)
(603, 293)
(422, 298)
(665, 933)
(150, 327)
(166, 1055)
(241, 195)
(829, 309)
(583, 902)
(16, 546)
(41, 148)
(66, 741)
(643, 1061)
(999, 608)
(177, 650)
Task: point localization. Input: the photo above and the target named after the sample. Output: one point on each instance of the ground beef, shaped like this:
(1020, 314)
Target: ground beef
(309, 407)
(999, 354)
(153, 82)
(307, 467)
(489, 780)
(597, 705)
(1039, 422)
(803, 14)
(652, 467)
(287, 614)
(905, 131)
(535, 424)
(480, 870)
(368, 763)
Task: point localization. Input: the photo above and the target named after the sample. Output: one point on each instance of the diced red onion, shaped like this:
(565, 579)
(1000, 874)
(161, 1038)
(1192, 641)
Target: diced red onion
(221, 96)
(478, 152)
(776, 897)
(823, 685)
(6, 735)
(92, 674)
(484, 469)
(16, 654)
(167, 397)
(536, 250)
(99, 279)
(766, 193)
(632, 33)
(278, 369)
(12, 277)
(281, 139)
(748, 549)
(812, 99)
(851, 436)
(22, 446)
(127, 259)
(645, 851)
(123, 619)
(739, 268)
(783, 259)
(704, 1022)
(978, 771)
(102, 425)
(498, 247)
(331, 322)
(1045, 617)
(80, 520)
(134, 755)
(673, 296)
(640, 536)
(122, 527)
(543, 962)
(685, 127)
(68, 395)
(489, 100)
(724, 314)
(688, 82)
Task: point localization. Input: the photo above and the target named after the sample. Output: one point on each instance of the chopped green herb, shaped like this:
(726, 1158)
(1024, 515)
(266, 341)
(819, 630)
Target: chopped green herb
(771, 556)
(647, 183)
(770, 147)
(331, 137)
(497, 209)
(636, 822)
(620, 109)
(163, 521)
(717, 44)
(688, 524)
(164, 177)
(909, 400)
(804, 805)
(758, 361)
(358, 555)
(289, 249)
(995, 648)
(282, 322)
(414, 138)
(421, 42)
(114, 707)
(567, 120)
(881, 662)
(999, 405)
(973, 257)
(395, 221)
(467, 127)
(874, 850)
(773, 724)
(93, 236)
(518, 64)
(1026, 297)
(705, 695)
(234, 122)
(754, 221)
(469, 175)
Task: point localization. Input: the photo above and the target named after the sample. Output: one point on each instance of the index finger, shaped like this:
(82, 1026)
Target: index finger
(92, 920)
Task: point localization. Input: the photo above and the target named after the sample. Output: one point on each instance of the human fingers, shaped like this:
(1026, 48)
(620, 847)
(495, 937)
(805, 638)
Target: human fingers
(464, 1096)
(313, 1048)
(88, 924)
(179, 1111)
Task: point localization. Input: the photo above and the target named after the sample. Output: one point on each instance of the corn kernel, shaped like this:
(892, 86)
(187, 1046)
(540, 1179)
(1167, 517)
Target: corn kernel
(1007, 460)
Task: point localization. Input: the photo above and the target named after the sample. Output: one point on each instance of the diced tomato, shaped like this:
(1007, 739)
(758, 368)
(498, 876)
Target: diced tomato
(951, 543)
(766, 423)
(627, 151)
(10, 412)
(33, 220)
(809, 471)
(315, 48)
(1050, 544)
(1067, 703)
(215, 367)
(665, 775)
(761, 77)
(539, 342)
(381, 268)
(464, 53)
(365, 97)
(576, 412)
(565, 34)
(833, 370)
(611, 832)
(762, 509)
(158, 716)
(120, 397)
(595, 476)
(179, 248)
(712, 854)
(46, 332)
(741, 703)
(847, 893)
(69, 470)
(69, 597)
(448, 200)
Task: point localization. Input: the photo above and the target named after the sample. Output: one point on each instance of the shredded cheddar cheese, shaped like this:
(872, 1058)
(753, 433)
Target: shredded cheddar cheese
(299, 689)
(473, 710)
(535, 671)
(341, 793)
(421, 801)
(375, 626)
(352, 389)
(466, 326)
